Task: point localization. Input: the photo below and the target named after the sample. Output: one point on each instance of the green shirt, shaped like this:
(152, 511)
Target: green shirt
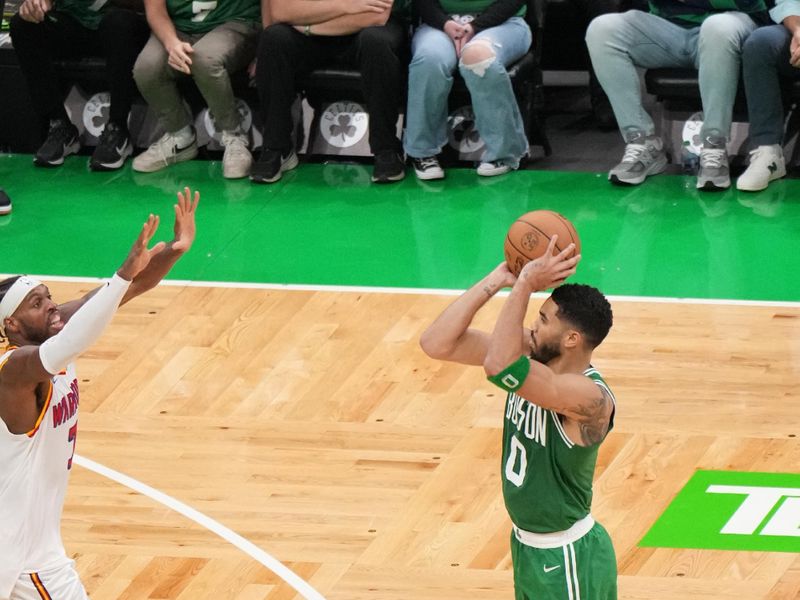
(87, 12)
(201, 16)
(547, 479)
(470, 7)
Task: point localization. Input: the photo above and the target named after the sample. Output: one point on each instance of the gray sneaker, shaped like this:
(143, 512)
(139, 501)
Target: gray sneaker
(165, 152)
(713, 173)
(643, 156)
(237, 160)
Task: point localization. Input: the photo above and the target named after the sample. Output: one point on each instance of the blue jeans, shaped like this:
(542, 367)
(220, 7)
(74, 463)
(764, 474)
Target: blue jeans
(765, 61)
(620, 42)
(430, 78)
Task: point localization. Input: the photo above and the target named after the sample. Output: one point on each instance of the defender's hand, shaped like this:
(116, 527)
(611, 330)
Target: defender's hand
(185, 227)
(139, 256)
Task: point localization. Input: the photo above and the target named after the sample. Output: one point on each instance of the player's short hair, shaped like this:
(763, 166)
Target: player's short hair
(586, 308)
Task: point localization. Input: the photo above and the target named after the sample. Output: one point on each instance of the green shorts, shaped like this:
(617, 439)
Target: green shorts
(583, 570)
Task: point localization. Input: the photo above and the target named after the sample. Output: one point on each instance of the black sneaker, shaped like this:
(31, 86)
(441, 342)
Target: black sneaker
(271, 164)
(5, 203)
(112, 149)
(427, 168)
(389, 166)
(62, 140)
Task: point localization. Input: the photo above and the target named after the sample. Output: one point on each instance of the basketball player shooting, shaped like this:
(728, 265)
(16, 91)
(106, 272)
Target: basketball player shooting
(39, 405)
(558, 411)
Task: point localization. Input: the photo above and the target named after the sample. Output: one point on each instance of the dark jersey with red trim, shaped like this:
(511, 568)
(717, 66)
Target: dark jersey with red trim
(33, 481)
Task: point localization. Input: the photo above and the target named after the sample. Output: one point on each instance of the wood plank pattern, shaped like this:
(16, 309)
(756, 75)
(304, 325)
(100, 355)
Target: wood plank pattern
(312, 424)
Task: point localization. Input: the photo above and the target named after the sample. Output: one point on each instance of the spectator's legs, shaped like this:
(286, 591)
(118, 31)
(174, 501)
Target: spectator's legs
(227, 49)
(483, 67)
(378, 54)
(618, 43)
(36, 45)
(284, 55)
(430, 78)
(718, 58)
(600, 105)
(765, 59)
(123, 34)
(157, 82)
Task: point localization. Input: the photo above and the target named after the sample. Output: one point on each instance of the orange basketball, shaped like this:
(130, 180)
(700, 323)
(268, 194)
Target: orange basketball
(528, 237)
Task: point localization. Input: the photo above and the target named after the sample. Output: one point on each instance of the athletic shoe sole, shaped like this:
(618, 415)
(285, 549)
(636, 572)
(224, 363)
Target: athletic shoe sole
(287, 165)
(99, 166)
(656, 168)
(426, 176)
(187, 153)
(68, 151)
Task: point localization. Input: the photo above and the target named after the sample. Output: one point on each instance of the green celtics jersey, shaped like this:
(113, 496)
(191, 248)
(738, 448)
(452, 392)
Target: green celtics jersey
(201, 16)
(547, 478)
(87, 12)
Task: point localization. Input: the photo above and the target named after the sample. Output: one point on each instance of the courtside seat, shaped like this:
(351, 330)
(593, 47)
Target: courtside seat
(335, 83)
(681, 85)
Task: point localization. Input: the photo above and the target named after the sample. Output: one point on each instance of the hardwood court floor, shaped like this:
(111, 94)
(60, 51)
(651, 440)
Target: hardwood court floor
(311, 423)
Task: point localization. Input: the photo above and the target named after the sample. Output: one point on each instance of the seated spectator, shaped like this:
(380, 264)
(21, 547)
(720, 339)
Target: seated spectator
(41, 33)
(308, 34)
(207, 41)
(770, 53)
(480, 39)
(705, 34)
(588, 11)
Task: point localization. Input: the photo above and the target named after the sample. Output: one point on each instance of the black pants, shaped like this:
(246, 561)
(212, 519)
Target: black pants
(119, 39)
(588, 10)
(286, 56)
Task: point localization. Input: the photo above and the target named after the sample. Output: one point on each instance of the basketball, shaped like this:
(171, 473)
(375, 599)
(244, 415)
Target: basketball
(528, 237)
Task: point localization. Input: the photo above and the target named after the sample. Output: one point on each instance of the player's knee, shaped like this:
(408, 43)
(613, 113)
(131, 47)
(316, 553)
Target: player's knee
(477, 57)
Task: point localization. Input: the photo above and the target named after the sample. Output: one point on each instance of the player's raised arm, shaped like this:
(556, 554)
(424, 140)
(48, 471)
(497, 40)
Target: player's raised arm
(508, 365)
(45, 352)
(184, 233)
(450, 336)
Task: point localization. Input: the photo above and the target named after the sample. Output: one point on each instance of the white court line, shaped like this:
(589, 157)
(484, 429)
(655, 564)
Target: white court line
(292, 287)
(274, 565)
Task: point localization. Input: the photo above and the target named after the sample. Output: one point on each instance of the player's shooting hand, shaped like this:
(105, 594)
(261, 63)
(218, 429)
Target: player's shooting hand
(550, 270)
(502, 277)
(185, 228)
(179, 56)
(139, 256)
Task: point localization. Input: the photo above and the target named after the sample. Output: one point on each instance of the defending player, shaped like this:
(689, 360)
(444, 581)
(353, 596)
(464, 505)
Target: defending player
(39, 405)
(558, 411)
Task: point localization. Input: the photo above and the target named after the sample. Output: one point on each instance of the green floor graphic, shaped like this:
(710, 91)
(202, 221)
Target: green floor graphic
(327, 224)
(732, 510)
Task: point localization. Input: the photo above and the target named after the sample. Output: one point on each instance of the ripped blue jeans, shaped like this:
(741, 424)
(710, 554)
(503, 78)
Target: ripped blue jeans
(430, 78)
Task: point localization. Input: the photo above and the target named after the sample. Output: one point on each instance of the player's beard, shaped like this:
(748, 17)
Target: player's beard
(36, 335)
(544, 353)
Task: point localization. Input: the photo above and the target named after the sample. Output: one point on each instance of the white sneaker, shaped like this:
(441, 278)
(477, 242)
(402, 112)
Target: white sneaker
(168, 150)
(237, 160)
(490, 169)
(766, 164)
